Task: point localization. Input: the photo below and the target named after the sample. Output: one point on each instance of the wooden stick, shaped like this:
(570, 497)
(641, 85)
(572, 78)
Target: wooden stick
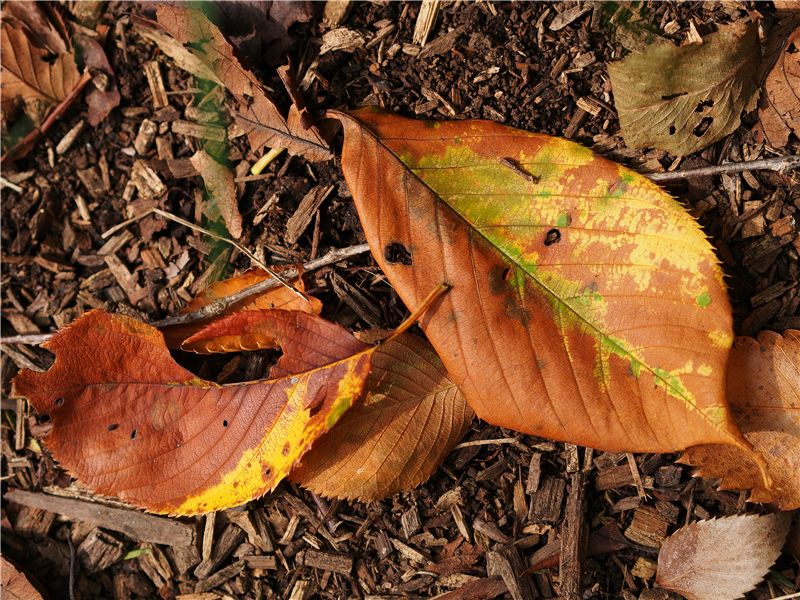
(138, 525)
(219, 306)
(780, 163)
(573, 540)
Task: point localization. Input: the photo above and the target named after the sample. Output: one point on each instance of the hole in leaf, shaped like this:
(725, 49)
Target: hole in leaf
(673, 96)
(553, 237)
(268, 472)
(286, 448)
(703, 126)
(44, 418)
(133, 434)
(59, 402)
(317, 401)
(225, 423)
(506, 275)
(701, 106)
(672, 129)
(112, 426)
(397, 253)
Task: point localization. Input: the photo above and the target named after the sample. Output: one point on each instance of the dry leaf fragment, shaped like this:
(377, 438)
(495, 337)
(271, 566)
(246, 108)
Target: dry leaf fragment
(721, 559)
(221, 191)
(258, 116)
(411, 417)
(764, 393)
(15, 586)
(279, 297)
(779, 109)
(572, 314)
(129, 421)
(684, 99)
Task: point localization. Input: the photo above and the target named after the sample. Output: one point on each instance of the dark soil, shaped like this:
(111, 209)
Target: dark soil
(498, 62)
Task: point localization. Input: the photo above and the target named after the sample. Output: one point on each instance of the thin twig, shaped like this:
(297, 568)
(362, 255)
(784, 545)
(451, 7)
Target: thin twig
(780, 163)
(218, 306)
(236, 245)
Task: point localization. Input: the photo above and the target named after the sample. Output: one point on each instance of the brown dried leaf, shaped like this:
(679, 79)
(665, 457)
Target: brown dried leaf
(395, 439)
(32, 75)
(764, 392)
(779, 109)
(258, 115)
(15, 586)
(220, 190)
(721, 559)
(684, 99)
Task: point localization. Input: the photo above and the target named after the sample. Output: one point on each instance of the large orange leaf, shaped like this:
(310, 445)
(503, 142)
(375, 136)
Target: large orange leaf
(411, 417)
(281, 297)
(586, 304)
(764, 392)
(129, 421)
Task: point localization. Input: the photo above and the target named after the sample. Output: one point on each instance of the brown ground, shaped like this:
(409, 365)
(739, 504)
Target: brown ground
(503, 64)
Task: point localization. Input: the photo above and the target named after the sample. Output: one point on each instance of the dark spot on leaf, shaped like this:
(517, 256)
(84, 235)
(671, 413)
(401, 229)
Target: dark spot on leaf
(316, 402)
(59, 401)
(286, 447)
(235, 484)
(672, 130)
(553, 237)
(44, 418)
(673, 96)
(506, 274)
(268, 471)
(703, 126)
(225, 423)
(397, 253)
(133, 434)
(112, 426)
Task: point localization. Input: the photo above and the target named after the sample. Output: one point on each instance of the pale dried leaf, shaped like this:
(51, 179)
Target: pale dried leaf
(721, 559)
(398, 435)
(221, 190)
(684, 99)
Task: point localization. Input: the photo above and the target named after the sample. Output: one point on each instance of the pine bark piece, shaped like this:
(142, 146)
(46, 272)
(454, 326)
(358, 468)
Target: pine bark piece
(99, 551)
(410, 522)
(574, 538)
(485, 588)
(219, 577)
(329, 561)
(534, 473)
(546, 505)
(156, 83)
(145, 137)
(183, 557)
(508, 564)
(426, 20)
(265, 562)
(228, 540)
(133, 523)
(301, 218)
(648, 528)
(614, 477)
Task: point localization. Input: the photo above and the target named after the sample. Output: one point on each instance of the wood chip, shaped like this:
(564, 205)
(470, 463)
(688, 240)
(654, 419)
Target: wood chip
(408, 552)
(568, 16)
(91, 179)
(145, 137)
(219, 577)
(201, 131)
(159, 95)
(410, 522)
(546, 505)
(99, 550)
(131, 522)
(309, 205)
(426, 20)
(335, 12)
(507, 564)
(147, 181)
(264, 562)
(534, 473)
(343, 39)
(574, 539)
(648, 528)
(329, 561)
(230, 538)
(65, 143)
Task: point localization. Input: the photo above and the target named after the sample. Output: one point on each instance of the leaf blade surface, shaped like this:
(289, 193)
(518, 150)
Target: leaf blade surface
(605, 322)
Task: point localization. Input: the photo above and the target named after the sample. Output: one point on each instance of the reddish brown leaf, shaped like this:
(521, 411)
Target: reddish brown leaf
(280, 297)
(15, 586)
(409, 421)
(779, 109)
(721, 559)
(586, 304)
(100, 102)
(129, 421)
(764, 392)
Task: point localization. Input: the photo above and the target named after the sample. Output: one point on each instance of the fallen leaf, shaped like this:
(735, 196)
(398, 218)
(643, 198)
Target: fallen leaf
(33, 75)
(411, 417)
(279, 297)
(721, 559)
(129, 421)
(586, 305)
(15, 585)
(43, 26)
(257, 115)
(100, 102)
(683, 99)
(221, 191)
(764, 393)
(779, 109)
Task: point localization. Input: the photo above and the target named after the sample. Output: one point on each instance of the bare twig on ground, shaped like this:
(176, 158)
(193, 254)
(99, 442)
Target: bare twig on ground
(780, 164)
(219, 306)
